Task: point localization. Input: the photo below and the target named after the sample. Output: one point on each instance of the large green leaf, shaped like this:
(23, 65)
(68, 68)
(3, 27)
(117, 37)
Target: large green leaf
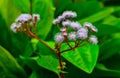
(98, 16)
(60, 7)
(23, 5)
(20, 45)
(110, 29)
(9, 11)
(107, 49)
(110, 20)
(84, 57)
(112, 62)
(81, 8)
(103, 71)
(5, 39)
(46, 10)
(9, 64)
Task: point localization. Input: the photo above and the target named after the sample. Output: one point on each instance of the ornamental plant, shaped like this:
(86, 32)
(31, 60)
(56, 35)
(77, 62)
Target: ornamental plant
(59, 38)
(70, 36)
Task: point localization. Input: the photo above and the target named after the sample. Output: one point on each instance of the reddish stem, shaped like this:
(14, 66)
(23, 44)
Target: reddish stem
(60, 59)
(56, 4)
(60, 62)
(34, 25)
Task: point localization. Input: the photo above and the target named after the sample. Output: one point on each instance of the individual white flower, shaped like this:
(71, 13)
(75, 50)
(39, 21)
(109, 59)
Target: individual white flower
(93, 39)
(36, 17)
(59, 38)
(87, 24)
(83, 29)
(63, 29)
(14, 27)
(82, 36)
(82, 33)
(60, 18)
(23, 18)
(72, 36)
(75, 25)
(94, 29)
(64, 33)
(66, 23)
(56, 21)
(69, 14)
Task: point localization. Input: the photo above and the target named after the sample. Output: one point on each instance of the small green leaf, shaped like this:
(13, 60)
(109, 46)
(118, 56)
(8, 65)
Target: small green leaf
(84, 57)
(49, 62)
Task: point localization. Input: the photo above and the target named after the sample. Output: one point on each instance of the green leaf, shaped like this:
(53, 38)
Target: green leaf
(45, 50)
(40, 68)
(114, 62)
(107, 49)
(30, 62)
(49, 62)
(46, 10)
(103, 67)
(28, 50)
(5, 39)
(84, 57)
(110, 29)
(23, 5)
(103, 71)
(9, 11)
(33, 75)
(110, 20)
(98, 16)
(81, 8)
(20, 43)
(41, 74)
(9, 64)
(60, 7)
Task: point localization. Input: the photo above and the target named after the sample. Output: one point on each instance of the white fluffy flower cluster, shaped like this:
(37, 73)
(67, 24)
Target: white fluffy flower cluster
(65, 15)
(73, 30)
(22, 19)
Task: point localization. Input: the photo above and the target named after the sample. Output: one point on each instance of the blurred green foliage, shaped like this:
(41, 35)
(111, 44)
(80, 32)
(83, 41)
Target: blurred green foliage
(22, 57)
